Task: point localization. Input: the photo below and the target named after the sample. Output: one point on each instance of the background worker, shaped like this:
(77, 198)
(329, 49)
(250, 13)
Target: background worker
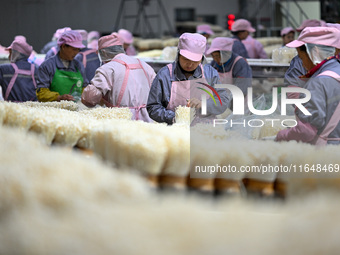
(128, 42)
(231, 68)
(287, 35)
(88, 57)
(240, 29)
(92, 39)
(18, 79)
(62, 77)
(253, 46)
(206, 31)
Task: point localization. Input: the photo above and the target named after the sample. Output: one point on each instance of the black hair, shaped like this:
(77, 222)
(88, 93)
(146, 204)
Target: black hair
(303, 48)
(237, 32)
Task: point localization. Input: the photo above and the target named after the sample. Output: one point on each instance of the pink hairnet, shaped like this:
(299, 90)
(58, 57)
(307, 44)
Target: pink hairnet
(72, 38)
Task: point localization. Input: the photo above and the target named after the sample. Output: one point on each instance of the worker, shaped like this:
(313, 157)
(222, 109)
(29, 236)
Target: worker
(62, 77)
(92, 40)
(232, 68)
(241, 29)
(206, 31)
(33, 59)
(128, 42)
(177, 83)
(316, 48)
(88, 57)
(122, 81)
(18, 79)
(55, 48)
(287, 35)
(253, 46)
(296, 68)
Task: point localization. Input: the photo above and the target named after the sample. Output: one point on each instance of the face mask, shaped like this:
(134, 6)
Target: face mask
(317, 53)
(225, 56)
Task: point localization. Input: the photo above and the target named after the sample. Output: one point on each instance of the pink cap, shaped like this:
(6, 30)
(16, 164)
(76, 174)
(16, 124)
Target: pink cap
(72, 38)
(204, 29)
(221, 43)
(109, 40)
(328, 36)
(83, 34)
(93, 35)
(309, 23)
(20, 37)
(192, 46)
(126, 36)
(59, 31)
(287, 30)
(242, 25)
(336, 25)
(21, 46)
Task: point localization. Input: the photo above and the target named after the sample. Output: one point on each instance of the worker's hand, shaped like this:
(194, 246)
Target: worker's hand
(87, 104)
(194, 103)
(66, 97)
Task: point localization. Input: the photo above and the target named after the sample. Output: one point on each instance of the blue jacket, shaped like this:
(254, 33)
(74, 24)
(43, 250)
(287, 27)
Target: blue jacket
(160, 92)
(293, 73)
(92, 63)
(325, 97)
(239, 48)
(23, 89)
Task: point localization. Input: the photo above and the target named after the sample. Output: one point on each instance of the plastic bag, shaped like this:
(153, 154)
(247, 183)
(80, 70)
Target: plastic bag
(76, 95)
(169, 53)
(283, 55)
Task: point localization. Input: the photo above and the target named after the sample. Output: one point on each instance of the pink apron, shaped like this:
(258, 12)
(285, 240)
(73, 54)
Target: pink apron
(135, 109)
(18, 71)
(182, 91)
(227, 77)
(85, 53)
(321, 140)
